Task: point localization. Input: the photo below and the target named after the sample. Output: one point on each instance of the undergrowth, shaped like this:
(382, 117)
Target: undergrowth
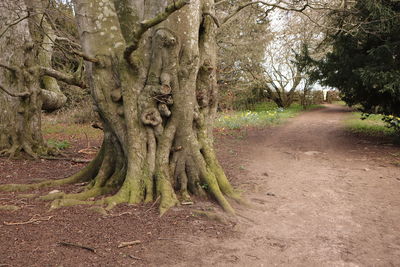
(373, 125)
(61, 145)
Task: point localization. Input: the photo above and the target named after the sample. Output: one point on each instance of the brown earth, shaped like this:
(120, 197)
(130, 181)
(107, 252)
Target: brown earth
(319, 195)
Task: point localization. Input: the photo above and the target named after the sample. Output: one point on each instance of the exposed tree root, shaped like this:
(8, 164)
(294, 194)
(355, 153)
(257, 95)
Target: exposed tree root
(86, 174)
(211, 215)
(107, 175)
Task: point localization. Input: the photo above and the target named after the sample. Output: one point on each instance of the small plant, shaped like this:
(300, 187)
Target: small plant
(204, 186)
(392, 122)
(60, 145)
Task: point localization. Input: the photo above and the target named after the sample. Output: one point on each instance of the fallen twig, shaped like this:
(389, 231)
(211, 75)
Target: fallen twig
(88, 150)
(252, 256)
(174, 239)
(135, 258)
(76, 160)
(97, 126)
(152, 205)
(34, 219)
(120, 214)
(66, 244)
(130, 243)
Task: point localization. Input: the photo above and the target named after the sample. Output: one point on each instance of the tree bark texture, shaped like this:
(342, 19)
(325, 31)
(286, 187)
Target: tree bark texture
(26, 44)
(157, 98)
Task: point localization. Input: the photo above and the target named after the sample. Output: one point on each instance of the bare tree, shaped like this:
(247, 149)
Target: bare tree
(241, 41)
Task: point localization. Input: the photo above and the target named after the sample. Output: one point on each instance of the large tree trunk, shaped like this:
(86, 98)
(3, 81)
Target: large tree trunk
(157, 103)
(25, 43)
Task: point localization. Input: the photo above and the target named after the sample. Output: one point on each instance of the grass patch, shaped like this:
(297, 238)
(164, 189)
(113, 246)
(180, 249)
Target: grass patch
(339, 102)
(66, 129)
(55, 127)
(373, 125)
(61, 145)
(263, 114)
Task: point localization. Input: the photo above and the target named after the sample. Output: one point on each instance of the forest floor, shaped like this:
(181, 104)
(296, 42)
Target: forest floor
(319, 195)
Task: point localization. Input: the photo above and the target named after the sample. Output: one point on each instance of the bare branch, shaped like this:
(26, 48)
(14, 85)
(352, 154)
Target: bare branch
(215, 19)
(147, 24)
(272, 7)
(85, 57)
(69, 79)
(22, 94)
(69, 41)
(14, 23)
(10, 68)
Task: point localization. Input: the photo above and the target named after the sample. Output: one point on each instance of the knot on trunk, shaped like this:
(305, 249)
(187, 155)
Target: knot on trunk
(165, 79)
(165, 38)
(207, 66)
(151, 117)
(164, 110)
(116, 95)
(162, 93)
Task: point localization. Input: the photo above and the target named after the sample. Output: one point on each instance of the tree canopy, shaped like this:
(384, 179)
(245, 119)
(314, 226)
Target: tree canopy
(364, 63)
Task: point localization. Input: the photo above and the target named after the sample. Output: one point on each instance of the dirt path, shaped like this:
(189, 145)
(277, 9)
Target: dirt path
(322, 198)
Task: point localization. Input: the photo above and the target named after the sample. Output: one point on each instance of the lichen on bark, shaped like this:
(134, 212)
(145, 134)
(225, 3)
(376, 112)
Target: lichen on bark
(26, 46)
(155, 91)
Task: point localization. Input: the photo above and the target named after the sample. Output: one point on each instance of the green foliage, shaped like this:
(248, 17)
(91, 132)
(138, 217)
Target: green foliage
(61, 145)
(364, 63)
(205, 186)
(371, 125)
(392, 122)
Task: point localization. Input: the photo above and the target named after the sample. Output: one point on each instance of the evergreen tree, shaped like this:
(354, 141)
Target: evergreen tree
(364, 63)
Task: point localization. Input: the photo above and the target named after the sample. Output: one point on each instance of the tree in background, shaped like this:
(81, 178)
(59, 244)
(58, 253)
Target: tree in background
(257, 57)
(28, 82)
(364, 61)
(241, 42)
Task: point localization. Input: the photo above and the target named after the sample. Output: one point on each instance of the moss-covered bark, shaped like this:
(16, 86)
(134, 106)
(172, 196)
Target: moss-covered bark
(26, 46)
(155, 91)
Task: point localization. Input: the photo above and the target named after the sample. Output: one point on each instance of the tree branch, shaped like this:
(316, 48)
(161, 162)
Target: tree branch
(147, 24)
(272, 7)
(85, 57)
(69, 41)
(215, 19)
(9, 67)
(14, 23)
(22, 94)
(69, 79)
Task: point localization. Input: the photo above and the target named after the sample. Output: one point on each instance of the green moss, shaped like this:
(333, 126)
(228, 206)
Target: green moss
(58, 203)
(26, 196)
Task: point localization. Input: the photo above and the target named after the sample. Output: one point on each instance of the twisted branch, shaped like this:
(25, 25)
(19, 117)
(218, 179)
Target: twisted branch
(147, 24)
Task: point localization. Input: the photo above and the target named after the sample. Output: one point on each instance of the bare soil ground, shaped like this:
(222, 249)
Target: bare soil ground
(319, 195)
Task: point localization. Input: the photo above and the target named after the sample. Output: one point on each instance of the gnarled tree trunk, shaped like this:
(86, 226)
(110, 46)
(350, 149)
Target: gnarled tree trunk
(26, 44)
(156, 94)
